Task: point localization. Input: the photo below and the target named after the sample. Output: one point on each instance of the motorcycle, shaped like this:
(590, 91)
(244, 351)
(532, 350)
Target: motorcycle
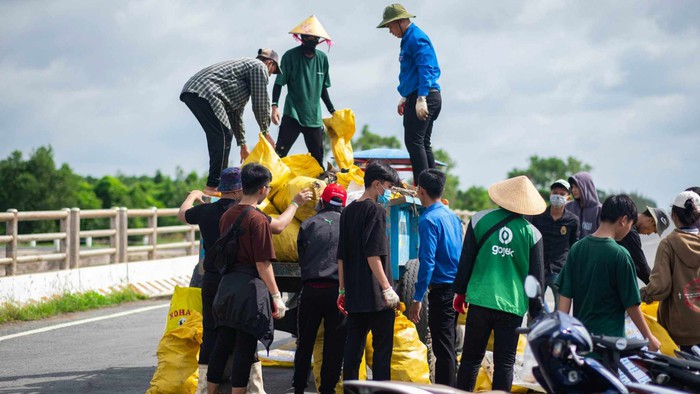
(640, 366)
(560, 344)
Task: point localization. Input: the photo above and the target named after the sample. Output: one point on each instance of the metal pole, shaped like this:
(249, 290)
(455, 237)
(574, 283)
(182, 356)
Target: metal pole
(11, 247)
(65, 244)
(74, 260)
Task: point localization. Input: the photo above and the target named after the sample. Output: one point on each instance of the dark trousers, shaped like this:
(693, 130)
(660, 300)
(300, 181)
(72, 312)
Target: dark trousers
(316, 304)
(480, 322)
(210, 284)
(381, 324)
(239, 343)
(417, 132)
(219, 137)
(442, 319)
(289, 132)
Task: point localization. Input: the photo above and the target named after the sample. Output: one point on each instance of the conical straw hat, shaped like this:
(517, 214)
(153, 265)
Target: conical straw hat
(518, 195)
(311, 27)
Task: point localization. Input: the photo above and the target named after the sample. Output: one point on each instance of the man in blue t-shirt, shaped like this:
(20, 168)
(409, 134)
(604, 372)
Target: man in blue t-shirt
(440, 232)
(420, 101)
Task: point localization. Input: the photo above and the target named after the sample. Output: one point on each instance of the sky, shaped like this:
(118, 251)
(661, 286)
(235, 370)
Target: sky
(614, 84)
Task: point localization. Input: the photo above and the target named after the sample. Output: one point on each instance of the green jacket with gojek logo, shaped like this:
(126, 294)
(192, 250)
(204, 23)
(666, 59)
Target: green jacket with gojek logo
(493, 276)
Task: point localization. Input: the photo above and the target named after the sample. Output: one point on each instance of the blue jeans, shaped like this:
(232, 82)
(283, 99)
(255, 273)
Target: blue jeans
(550, 281)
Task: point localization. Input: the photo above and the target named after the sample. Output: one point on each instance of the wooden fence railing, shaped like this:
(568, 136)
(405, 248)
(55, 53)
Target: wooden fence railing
(67, 241)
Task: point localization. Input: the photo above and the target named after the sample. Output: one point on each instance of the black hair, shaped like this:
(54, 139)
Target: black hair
(378, 170)
(326, 206)
(617, 206)
(253, 177)
(432, 181)
(687, 215)
(694, 189)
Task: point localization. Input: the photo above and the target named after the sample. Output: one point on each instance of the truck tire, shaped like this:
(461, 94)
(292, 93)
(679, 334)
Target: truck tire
(406, 290)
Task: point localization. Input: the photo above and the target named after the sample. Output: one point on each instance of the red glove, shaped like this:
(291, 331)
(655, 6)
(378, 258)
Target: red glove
(458, 303)
(341, 304)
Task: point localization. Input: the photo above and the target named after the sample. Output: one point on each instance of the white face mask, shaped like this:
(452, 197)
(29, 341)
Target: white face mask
(557, 200)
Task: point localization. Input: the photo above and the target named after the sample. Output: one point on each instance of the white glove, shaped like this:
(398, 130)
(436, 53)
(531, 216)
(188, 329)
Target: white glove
(422, 108)
(280, 307)
(390, 297)
(401, 105)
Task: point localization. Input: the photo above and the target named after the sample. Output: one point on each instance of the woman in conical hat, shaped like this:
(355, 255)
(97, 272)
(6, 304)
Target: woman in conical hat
(306, 75)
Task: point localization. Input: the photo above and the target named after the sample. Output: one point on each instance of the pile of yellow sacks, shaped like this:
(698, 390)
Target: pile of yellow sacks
(292, 174)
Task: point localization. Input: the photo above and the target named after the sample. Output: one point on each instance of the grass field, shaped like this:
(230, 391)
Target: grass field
(10, 312)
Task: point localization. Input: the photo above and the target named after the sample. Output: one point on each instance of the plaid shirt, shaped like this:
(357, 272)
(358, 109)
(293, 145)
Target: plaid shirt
(227, 86)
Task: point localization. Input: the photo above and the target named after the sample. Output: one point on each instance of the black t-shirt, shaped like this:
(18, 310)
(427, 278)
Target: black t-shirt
(207, 216)
(557, 237)
(363, 234)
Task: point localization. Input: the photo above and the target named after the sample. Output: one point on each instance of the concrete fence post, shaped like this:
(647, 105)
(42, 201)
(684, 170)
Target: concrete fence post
(114, 239)
(74, 238)
(190, 237)
(122, 234)
(11, 247)
(64, 244)
(153, 238)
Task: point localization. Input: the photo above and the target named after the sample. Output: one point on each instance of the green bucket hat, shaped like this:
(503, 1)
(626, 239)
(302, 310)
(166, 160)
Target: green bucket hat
(392, 13)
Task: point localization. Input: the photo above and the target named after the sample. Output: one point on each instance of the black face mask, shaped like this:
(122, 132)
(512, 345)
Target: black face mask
(308, 46)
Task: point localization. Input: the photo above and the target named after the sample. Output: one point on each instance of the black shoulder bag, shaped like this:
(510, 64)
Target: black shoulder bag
(493, 229)
(223, 252)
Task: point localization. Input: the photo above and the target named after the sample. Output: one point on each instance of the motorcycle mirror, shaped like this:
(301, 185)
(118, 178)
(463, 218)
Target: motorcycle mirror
(532, 287)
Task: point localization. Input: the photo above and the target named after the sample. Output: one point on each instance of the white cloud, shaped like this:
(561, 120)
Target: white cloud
(613, 84)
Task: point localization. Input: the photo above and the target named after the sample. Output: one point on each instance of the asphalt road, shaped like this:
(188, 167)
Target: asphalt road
(117, 354)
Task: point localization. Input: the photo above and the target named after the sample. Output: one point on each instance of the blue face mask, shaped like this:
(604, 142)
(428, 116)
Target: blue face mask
(384, 197)
(557, 200)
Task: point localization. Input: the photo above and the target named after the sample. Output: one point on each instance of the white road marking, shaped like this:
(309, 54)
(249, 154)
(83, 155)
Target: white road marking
(84, 321)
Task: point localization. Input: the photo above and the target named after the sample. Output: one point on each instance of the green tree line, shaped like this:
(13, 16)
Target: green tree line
(38, 183)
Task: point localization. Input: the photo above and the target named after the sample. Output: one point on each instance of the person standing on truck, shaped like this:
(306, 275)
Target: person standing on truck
(207, 216)
(440, 232)
(305, 71)
(585, 204)
(500, 249)
(560, 230)
(649, 221)
(318, 249)
(217, 96)
(364, 274)
(420, 102)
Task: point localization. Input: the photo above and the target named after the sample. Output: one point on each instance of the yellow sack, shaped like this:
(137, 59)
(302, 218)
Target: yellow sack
(267, 208)
(650, 312)
(285, 243)
(341, 127)
(409, 359)
(265, 155)
(177, 370)
(303, 165)
(354, 173)
(285, 196)
(185, 300)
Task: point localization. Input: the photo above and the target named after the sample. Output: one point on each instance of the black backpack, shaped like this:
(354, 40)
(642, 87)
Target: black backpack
(223, 252)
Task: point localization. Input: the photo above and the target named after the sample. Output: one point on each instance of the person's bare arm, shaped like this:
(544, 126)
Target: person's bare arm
(375, 264)
(638, 318)
(195, 195)
(268, 276)
(340, 302)
(278, 224)
(564, 304)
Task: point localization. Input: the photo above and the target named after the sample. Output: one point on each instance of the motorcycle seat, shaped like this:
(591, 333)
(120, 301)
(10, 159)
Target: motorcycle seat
(619, 343)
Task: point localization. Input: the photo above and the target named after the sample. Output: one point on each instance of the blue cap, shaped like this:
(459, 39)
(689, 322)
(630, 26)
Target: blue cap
(230, 180)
